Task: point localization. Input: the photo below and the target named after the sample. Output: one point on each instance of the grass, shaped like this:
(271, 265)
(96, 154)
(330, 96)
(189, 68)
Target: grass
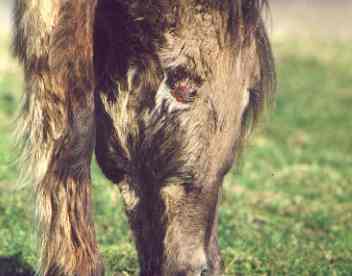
(286, 209)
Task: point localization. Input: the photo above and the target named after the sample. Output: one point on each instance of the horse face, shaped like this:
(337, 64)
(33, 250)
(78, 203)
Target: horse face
(170, 125)
(179, 151)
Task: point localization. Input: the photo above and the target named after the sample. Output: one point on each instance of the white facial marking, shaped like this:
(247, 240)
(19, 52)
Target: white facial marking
(131, 74)
(245, 101)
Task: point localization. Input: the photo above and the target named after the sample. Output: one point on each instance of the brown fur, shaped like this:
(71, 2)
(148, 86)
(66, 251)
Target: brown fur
(100, 75)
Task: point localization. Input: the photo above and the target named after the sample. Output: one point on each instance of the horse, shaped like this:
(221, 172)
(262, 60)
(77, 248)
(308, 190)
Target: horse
(164, 93)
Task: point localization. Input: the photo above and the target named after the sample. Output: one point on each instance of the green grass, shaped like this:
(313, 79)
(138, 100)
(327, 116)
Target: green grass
(287, 209)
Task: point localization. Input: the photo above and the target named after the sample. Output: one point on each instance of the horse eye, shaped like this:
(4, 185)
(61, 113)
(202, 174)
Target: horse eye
(184, 93)
(183, 84)
(204, 272)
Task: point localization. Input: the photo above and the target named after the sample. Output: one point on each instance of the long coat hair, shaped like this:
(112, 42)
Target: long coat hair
(163, 91)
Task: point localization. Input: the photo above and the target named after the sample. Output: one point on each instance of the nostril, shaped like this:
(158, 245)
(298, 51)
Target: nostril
(204, 271)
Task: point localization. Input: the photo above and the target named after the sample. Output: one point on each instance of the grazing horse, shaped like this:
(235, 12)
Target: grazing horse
(164, 92)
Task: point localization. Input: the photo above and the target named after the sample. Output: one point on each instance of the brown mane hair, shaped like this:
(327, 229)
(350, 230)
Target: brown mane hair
(251, 29)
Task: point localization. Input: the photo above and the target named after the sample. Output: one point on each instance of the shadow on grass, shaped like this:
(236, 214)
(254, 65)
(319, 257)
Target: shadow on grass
(14, 266)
